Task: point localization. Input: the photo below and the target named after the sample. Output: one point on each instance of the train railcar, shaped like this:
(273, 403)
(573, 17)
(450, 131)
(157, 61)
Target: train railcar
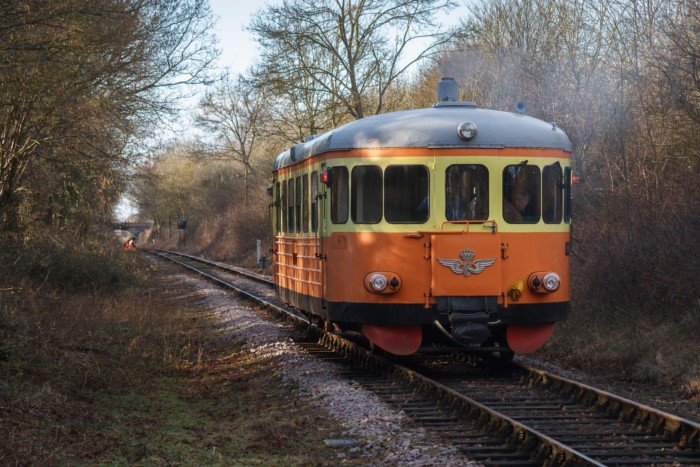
(445, 225)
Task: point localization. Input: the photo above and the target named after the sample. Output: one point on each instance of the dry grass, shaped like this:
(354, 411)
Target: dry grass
(637, 346)
(130, 376)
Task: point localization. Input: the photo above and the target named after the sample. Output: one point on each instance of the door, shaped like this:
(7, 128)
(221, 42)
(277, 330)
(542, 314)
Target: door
(465, 253)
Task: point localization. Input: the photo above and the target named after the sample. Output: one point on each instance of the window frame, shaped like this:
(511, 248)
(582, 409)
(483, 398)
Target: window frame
(314, 201)
(297, 204)
(335, 194)
(568, 195)
(476, 220)
(537, 191)
(278, 208)
(305, 203)
(284, 225)
(290, 205)
(559, 187)
(427, 197)
(353, 193)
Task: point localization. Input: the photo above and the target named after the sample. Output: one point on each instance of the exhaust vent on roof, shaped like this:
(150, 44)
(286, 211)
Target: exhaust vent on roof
(447, 90)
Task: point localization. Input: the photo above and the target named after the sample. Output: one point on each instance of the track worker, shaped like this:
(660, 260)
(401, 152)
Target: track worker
(130, 245)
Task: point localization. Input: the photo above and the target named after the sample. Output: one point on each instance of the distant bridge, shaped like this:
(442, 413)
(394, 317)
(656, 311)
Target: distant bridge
(134, 227)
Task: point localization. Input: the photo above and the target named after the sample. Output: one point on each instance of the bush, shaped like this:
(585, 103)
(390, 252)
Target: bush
(97, 264)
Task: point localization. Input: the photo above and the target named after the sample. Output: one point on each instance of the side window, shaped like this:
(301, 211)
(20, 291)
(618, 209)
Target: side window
(283, 208)
(278, 208)
(339, 195)
(521, 194)
(366, 194)
(314, 201)
(466, 193)
(567, 195)
(290, 205)
(297, 212)
(552, 194)
(406, 194)
(305, 203)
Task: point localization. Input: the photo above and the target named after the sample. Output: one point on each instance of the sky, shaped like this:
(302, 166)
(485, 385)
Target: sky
(238, 52)
(238, 49)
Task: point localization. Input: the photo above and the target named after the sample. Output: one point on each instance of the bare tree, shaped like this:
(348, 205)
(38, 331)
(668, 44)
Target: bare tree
(359, 47)
(236, 113)
(80, 79)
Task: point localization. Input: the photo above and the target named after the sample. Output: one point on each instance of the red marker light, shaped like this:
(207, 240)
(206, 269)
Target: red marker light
(327, 177)
(575, 179)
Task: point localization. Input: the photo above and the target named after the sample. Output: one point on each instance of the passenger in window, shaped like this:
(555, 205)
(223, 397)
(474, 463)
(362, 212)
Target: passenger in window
(514, 210)
(461, 206)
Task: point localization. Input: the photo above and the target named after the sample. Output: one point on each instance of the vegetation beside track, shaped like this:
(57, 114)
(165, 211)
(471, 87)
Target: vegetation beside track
(116, 372)
(630, 346)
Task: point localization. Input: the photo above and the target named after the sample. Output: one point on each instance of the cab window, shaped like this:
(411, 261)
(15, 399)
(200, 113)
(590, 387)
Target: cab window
(339, 195)
(521, 194)
(406, 194)
(366, 194)
(567, 195)
(466, 193)
(552, 194)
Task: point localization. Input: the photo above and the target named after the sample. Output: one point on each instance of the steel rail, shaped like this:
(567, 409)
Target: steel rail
(547, 449)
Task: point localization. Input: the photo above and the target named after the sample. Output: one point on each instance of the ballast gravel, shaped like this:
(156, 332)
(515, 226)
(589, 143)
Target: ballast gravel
(374, 432)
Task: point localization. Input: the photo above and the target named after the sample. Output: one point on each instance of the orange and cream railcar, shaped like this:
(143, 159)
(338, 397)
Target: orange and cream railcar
(450, 223)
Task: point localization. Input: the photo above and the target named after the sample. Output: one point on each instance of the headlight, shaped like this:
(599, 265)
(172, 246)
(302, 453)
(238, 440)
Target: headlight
(551, 282)
(466, 131)
(378, 282)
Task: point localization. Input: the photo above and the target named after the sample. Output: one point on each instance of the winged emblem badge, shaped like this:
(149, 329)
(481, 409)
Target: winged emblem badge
(466, 266)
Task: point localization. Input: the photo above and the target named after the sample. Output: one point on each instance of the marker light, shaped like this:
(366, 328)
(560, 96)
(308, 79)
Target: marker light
(327, 177)
(378, 282)
(551, 282)
(466, 131)
(575, 179)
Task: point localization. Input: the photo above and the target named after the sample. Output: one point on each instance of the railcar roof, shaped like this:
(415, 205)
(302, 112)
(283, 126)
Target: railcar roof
(432, 127)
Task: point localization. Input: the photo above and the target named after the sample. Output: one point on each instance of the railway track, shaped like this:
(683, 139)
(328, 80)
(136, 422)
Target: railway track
(495, 413)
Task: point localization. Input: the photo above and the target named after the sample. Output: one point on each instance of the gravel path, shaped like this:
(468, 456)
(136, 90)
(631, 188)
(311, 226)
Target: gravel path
(377, 433)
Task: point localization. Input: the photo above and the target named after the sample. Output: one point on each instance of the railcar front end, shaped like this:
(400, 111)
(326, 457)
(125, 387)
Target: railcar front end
(442, 225)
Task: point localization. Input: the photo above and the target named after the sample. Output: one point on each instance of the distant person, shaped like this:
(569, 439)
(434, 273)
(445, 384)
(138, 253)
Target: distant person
(130, 245)
(514, 210)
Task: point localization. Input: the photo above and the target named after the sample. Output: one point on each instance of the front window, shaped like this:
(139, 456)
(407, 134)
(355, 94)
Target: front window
(366, 194)
(339, 195)
(521, 194)
(406, 194)
(552, 194)
(466, 193)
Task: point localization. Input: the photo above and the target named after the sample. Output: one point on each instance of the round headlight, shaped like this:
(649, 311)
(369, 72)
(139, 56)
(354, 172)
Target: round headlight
(466, 131)
(378, 282)
(551, 282)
